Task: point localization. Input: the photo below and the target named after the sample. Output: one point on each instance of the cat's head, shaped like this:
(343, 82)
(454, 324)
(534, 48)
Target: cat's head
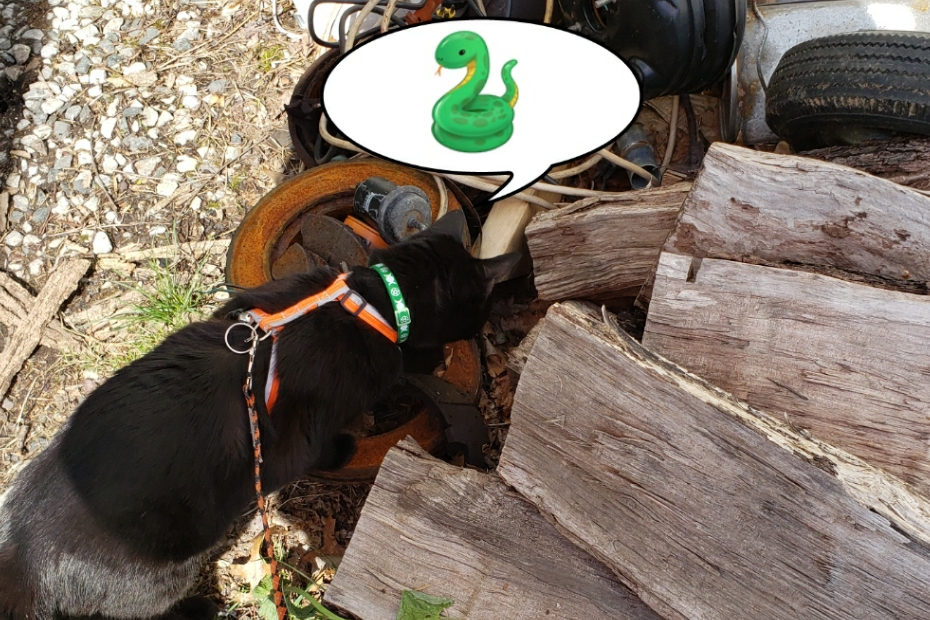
(445, 288)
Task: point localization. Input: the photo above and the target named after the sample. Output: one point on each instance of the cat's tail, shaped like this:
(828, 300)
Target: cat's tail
(16, 598)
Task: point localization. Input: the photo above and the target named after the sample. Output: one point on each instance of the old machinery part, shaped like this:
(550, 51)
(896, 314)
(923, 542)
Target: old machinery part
(773, 29)
(274, 223)
(399, 211)
(328, 241)
(368, 234)
(728, 113)
(674, 48)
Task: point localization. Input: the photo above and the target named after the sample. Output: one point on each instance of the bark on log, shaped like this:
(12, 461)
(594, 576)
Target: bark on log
(516, 357)
(905, 161)
(16, 302)
(602, 250)
(27, 335)
(465, 535)
(760, 207)
(846, 361)
(705, 507)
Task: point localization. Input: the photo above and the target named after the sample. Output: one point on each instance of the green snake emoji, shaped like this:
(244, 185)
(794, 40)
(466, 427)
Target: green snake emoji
(463, 118)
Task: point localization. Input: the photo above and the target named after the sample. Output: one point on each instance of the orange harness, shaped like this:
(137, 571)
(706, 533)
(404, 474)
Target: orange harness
(272, 324)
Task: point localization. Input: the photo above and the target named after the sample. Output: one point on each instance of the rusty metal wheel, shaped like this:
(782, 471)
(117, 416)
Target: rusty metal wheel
(274, 223)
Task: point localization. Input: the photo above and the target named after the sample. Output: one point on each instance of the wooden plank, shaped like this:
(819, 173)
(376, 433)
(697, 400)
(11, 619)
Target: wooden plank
(705, 507)
(465, 535)
(27, 335)
(502, 231)
(15, 303)
(602, 250)
(761, 207)
(846, 361)
(904, 160)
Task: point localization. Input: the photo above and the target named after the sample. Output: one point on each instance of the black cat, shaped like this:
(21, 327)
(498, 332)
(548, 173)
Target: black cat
(114, 518)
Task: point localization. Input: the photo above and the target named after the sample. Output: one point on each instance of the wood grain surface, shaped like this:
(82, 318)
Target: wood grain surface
(465, 535)
(846, 361)
(753, 206)
(602, 250)
(705, 507)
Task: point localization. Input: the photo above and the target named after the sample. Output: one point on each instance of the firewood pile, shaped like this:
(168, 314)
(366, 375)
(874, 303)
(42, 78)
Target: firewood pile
(762, 451)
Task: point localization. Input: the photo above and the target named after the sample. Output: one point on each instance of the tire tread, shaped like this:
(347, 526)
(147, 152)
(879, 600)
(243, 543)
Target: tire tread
(874, 79)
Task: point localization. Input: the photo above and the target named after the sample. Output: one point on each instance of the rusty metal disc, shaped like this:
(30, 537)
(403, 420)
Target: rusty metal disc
(272, 225)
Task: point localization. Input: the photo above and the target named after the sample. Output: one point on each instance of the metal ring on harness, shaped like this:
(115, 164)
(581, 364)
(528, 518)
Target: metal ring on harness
(254, 337)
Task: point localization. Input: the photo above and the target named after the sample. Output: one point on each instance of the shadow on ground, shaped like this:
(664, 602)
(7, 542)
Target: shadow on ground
(20, 63)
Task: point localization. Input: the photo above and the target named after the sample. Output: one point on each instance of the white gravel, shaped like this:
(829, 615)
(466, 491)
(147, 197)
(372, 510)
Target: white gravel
(114, 115)
(101, 243)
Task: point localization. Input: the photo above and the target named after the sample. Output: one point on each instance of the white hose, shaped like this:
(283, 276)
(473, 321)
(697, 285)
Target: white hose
(294, 36)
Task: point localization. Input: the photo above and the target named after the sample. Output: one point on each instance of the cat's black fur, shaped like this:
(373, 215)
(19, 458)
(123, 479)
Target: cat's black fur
(115, 516)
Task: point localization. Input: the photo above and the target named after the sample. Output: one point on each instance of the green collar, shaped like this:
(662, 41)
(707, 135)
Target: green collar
(401, 311)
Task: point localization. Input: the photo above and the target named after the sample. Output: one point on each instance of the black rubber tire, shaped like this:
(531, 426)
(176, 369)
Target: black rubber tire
(724, 25)
(847, 87)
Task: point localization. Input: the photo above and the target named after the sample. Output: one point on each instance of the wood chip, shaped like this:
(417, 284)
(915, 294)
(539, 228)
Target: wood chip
(28, 334)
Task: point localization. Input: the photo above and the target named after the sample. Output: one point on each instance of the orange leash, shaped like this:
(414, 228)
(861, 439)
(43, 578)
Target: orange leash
(271, 324)
(277, 593)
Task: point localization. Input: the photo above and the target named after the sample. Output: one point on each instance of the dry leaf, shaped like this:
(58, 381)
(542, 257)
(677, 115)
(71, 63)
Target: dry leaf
(254, 568)
(497, 364)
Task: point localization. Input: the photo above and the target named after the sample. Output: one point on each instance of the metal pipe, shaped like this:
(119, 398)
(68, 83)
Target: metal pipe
(635, 145)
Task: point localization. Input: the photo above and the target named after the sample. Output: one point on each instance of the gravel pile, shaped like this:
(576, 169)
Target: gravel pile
(135, 118)
(127, 125)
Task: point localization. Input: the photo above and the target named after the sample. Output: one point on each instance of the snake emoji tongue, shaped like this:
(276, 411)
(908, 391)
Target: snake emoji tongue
(463, 118)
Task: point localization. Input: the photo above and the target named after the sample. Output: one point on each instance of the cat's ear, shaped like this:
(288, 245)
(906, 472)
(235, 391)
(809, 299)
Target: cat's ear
(499, 268)
(453, 224)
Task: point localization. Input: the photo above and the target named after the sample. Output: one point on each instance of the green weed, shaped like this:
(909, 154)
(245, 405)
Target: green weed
(236, 182)
(175, 296)
(301, 604)
(268, 56)
(170, 302)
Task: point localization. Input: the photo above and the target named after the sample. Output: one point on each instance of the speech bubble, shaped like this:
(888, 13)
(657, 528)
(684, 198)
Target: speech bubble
(575, 96)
